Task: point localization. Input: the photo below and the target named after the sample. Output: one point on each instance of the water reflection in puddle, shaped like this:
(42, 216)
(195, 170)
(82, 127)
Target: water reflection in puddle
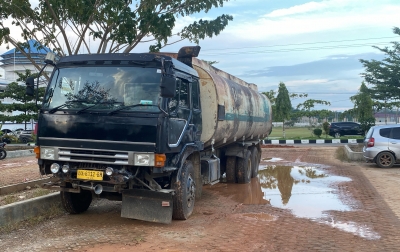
(305, 190)
(272, 159)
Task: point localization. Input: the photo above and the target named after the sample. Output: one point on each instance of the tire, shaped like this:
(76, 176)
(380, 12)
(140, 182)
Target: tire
(255, 162)
(3, 154)
(185, 192)
(24, 140)
(231, 169)
(243, 168)
(337, 135)
(75, 203)
(385, 160)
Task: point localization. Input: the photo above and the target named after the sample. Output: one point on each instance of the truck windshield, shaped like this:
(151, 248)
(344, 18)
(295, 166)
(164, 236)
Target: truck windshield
(105, 88)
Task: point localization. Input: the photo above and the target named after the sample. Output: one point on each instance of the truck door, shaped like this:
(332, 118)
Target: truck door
(196, 108)
(179, 110)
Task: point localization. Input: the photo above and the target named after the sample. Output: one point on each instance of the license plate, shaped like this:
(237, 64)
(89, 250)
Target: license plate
(89, 175)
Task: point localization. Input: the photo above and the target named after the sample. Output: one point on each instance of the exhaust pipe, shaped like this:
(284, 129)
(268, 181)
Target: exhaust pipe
(97, 189)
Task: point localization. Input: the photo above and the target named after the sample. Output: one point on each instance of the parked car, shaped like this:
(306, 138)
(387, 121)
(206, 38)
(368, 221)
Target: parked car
(338, 129)
(382, 145)
(25, 136)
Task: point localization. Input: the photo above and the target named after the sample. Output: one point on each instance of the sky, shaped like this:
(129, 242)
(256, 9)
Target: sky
(313, 47)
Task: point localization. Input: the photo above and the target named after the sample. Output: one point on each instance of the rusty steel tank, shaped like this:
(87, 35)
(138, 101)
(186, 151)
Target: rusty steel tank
(232, 109)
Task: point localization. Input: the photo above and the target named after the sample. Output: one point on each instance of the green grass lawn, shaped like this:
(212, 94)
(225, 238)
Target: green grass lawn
(301, 133)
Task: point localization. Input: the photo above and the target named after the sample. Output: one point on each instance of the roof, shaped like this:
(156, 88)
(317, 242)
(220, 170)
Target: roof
(135, 57)
(33, 44)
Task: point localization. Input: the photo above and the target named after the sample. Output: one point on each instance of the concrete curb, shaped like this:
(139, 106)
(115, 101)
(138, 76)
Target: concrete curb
(317, 141)
(23, 210)
(20, 153)
(19, 187)
(352, 155)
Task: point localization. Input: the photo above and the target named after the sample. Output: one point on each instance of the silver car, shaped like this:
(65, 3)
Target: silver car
(382, 145)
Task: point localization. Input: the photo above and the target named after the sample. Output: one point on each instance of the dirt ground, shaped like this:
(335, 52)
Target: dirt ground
(235, 217)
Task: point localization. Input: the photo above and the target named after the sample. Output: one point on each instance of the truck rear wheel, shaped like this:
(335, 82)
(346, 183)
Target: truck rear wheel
(255, 162)
(230, 169)
(244, 168)
(185, 192)
(75, 203)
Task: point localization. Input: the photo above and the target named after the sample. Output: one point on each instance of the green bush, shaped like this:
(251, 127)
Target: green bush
(317, 132)
(325, 126)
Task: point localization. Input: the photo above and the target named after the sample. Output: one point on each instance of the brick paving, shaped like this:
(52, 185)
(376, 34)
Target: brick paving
(220, 223)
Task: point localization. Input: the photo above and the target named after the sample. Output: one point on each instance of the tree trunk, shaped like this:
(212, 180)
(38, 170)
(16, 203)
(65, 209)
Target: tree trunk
(283, 129)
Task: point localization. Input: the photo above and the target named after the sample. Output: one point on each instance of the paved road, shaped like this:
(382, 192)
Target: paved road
(303, 200)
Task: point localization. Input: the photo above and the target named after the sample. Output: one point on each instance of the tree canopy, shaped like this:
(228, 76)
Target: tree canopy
(283, 103)
(363, 105)
(68, 26)
(384, 75)
(25, 104)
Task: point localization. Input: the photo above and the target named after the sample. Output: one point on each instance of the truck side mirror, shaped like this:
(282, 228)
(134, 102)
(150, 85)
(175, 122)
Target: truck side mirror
(168, 86)
(30, 86)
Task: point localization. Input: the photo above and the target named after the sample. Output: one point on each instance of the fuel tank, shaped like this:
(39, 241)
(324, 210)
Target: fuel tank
(232, 109)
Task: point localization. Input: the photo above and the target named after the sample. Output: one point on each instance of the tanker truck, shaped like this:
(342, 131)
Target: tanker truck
(147, 129)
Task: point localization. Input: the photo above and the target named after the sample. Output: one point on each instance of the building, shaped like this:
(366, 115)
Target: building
(14, 61)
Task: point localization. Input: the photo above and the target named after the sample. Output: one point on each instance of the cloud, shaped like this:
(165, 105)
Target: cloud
(314, 17)
(298, 9)
(333, 65)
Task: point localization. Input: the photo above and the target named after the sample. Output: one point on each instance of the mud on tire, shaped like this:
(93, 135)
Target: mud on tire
(244, 168)
(75, 203)
(231, 169)
(255, 161)
(185, 192)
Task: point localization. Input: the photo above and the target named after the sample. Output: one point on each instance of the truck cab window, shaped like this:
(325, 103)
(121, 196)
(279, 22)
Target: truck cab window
(181, 98)
(184, 95)
(195, 95)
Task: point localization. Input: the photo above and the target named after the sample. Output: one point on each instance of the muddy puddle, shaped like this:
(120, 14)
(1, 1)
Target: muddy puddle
(304, 190)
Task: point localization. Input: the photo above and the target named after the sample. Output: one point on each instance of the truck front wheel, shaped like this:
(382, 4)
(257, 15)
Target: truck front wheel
(75, 203)
(185, 191)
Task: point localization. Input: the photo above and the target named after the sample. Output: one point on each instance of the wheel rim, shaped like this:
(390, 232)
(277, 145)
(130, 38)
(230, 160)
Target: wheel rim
(386, 160)
(190, 191)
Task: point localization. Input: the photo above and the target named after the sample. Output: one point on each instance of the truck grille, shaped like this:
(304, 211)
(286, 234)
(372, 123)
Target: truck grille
(94, 156)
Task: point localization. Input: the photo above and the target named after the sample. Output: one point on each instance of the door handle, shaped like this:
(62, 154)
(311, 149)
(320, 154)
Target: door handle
(393, 142)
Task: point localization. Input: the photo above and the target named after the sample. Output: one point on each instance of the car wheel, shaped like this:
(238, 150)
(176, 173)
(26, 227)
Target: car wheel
(337, 135)
(385, 160)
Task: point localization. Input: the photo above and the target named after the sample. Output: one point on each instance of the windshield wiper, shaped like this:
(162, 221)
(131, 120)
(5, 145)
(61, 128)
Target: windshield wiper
(51, 111)
(104, 102)
(129, 106)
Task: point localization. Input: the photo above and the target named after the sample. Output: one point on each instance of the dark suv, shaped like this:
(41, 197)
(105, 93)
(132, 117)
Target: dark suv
(338, 129)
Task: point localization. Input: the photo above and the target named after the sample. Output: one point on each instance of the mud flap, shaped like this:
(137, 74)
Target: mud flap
(147, 205)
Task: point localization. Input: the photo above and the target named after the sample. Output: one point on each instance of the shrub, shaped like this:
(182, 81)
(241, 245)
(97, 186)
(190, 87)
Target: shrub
(325, 126)
(317, 132)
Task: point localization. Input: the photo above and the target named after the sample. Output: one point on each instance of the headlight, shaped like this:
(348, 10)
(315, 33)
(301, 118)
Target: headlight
(65, 168)
(109, 171)
(54, 168)
(144, 159)
(47, 153)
